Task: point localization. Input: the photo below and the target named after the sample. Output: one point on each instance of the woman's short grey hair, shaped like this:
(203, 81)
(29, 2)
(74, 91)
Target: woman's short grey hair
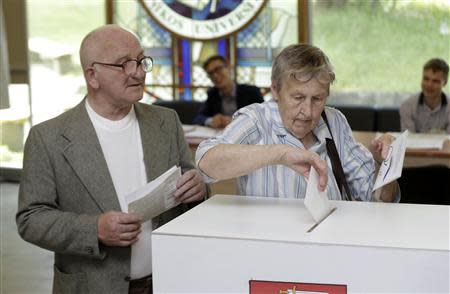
(302, 62)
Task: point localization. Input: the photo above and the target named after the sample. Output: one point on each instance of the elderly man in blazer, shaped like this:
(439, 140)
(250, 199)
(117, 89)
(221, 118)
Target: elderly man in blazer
(79, 166)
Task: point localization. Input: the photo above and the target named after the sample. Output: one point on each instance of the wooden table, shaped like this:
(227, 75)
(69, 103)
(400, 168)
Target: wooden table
(413, 158)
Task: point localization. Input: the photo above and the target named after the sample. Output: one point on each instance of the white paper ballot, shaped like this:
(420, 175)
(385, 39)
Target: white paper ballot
(391, 167)
(156, 197)
(315, 201)
(424, 140)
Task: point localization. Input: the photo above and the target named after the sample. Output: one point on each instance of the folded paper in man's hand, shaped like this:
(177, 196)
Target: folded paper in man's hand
(156, 197)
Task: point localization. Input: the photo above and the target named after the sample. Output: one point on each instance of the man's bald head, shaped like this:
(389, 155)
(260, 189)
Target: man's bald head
(101, 41)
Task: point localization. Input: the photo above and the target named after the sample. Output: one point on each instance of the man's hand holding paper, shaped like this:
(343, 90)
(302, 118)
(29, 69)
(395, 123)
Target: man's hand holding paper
(165, 192)
(156, 197)
(190, 187)
(118, 228)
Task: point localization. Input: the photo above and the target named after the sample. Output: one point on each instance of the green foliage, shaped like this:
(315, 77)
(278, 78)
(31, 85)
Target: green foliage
(8, 156)
(381, 47)
(374, 45)
(65, 21)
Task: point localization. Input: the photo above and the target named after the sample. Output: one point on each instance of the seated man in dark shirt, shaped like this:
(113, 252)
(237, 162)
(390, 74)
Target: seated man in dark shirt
(226, 96)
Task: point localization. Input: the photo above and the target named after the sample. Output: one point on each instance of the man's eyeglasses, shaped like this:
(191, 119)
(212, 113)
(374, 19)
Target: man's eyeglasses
(215, 70)
(130, 66)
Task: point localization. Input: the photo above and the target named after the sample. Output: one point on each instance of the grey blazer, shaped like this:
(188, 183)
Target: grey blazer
(66, 185)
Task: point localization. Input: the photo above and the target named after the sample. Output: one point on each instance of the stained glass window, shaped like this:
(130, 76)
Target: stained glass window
(178, 72)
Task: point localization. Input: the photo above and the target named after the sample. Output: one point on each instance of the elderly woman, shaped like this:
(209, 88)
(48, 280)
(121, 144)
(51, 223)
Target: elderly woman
(272, 146)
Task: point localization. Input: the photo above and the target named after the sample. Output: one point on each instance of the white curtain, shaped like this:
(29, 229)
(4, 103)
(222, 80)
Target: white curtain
(4, 64)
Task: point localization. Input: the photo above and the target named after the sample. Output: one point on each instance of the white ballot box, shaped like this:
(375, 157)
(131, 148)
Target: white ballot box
(227, 241)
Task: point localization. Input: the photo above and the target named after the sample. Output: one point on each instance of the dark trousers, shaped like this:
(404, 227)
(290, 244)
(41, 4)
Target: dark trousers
(141, 286)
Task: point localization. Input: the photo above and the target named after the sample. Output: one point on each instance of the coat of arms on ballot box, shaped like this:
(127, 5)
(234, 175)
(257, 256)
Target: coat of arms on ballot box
(271, 287)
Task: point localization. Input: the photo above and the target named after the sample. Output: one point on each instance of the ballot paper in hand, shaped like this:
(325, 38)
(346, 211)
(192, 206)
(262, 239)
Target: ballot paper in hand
(391, 167)
(156, 197)
(315, 201)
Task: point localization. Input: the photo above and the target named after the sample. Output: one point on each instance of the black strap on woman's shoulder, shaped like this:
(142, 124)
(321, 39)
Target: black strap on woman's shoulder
(338, 171)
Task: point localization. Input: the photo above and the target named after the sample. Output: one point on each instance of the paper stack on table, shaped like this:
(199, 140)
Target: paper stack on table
(156, 197)
(426, 141)
(194, 131)
(422, 140)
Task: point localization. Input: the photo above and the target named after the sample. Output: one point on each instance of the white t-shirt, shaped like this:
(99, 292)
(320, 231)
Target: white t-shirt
(122, 147)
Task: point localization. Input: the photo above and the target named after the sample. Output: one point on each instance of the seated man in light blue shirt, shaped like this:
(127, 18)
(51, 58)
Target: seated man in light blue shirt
(429, 110)
(271, 146)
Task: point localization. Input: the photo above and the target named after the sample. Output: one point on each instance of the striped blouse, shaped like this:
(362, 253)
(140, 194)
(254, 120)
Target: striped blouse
(262, 124)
